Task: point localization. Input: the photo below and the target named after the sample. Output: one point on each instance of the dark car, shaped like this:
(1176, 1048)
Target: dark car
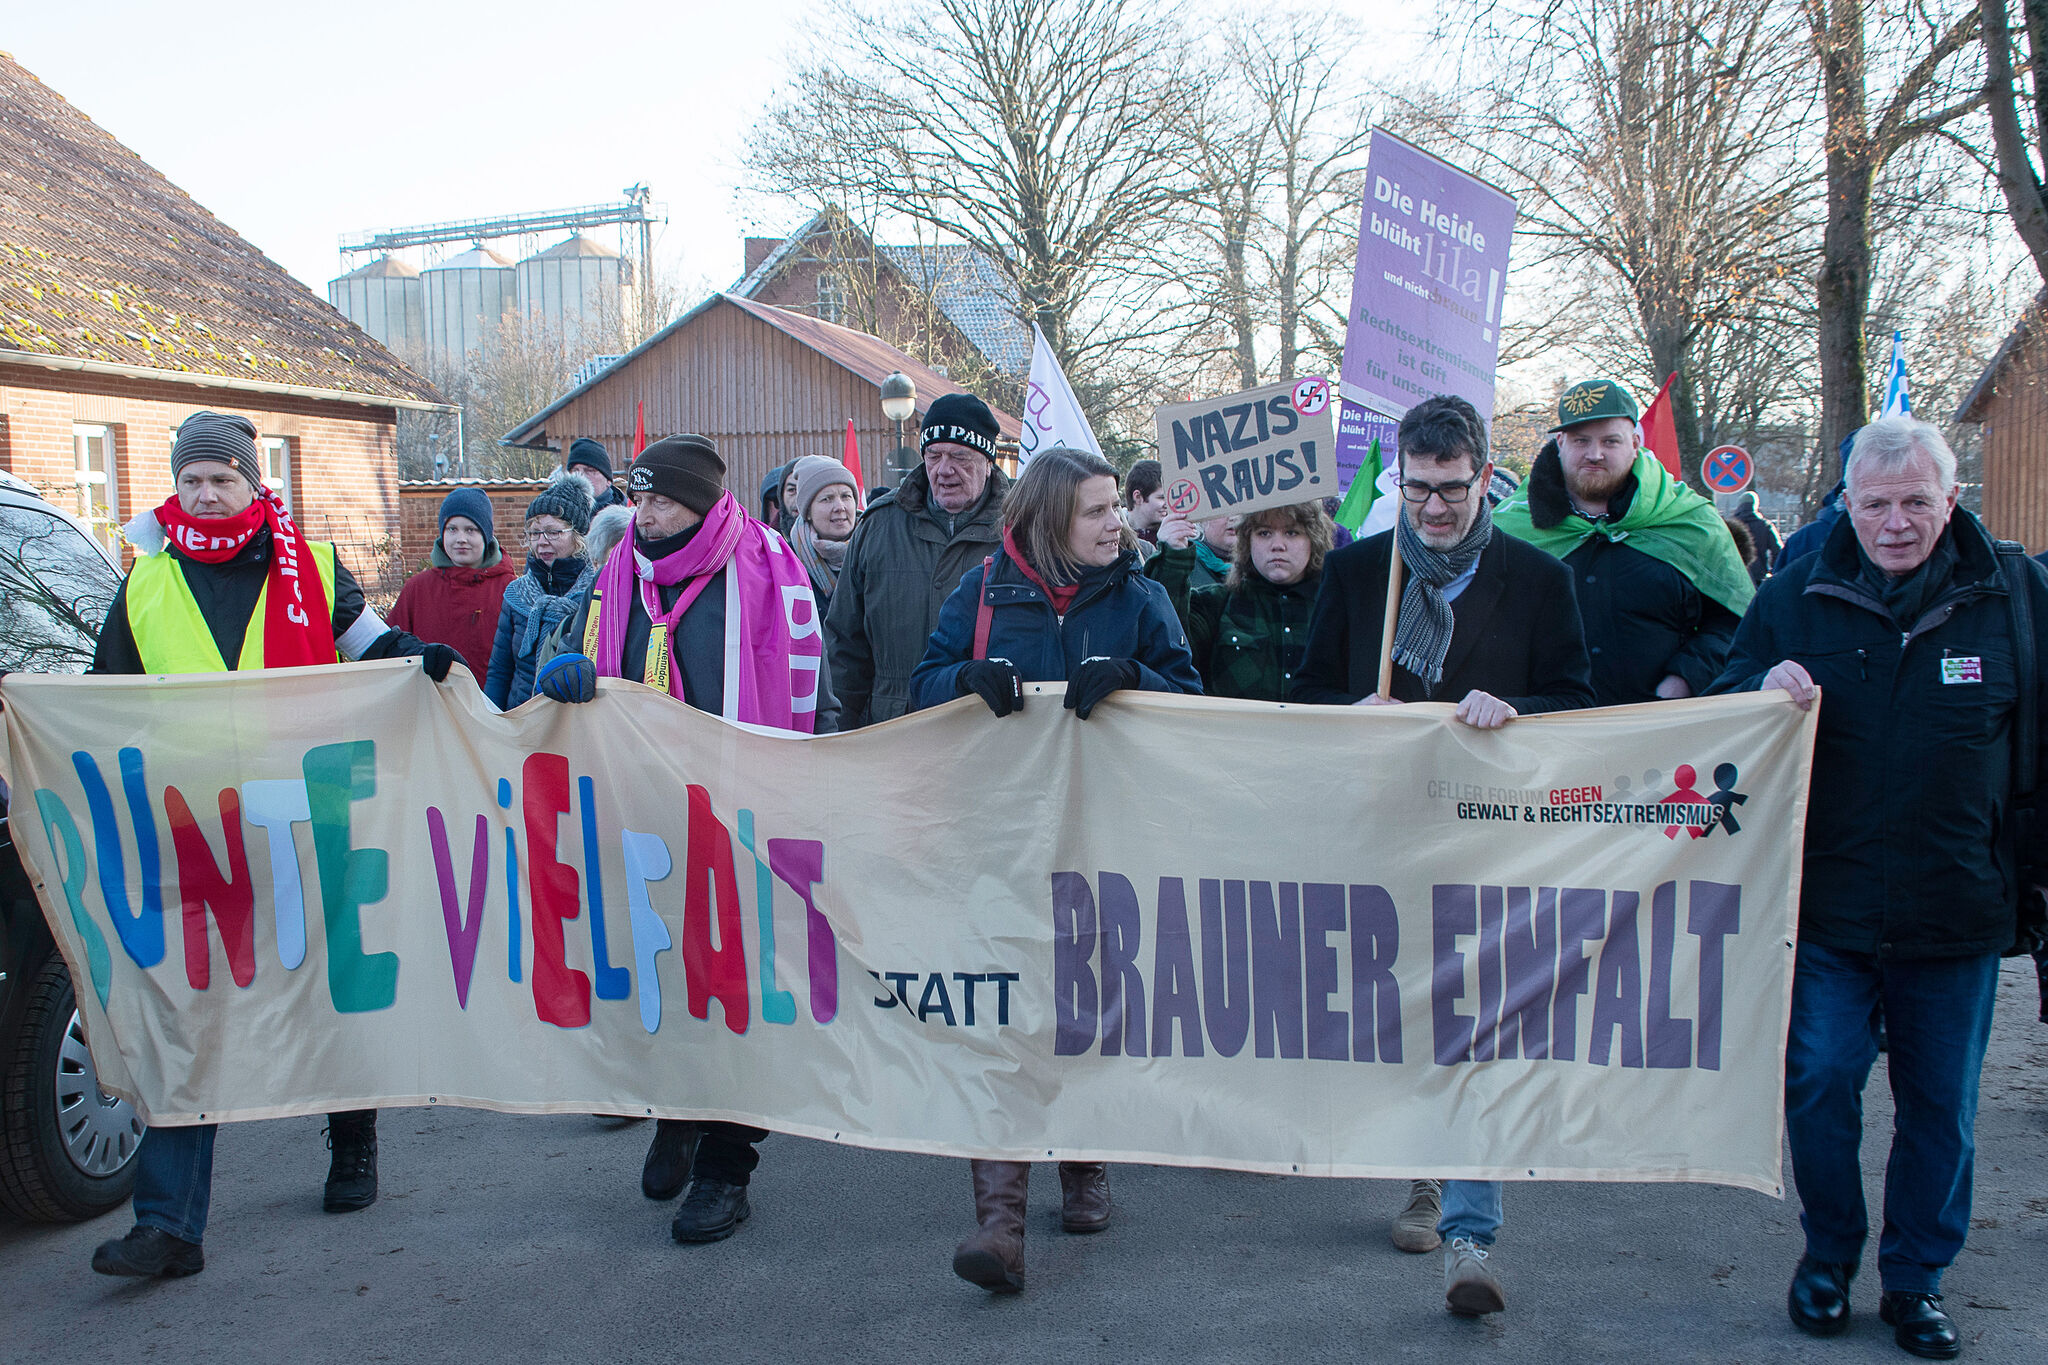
(67, 1151)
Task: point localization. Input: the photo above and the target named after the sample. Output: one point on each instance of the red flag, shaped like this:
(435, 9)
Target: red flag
(1660, 433)
(639, 426)
(851, 459)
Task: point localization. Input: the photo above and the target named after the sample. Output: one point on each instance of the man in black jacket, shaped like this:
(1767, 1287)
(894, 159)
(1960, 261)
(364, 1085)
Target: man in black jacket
(907, 556)
(1486, 621)
(224, 581)
(1660, 582)
(1904, 617)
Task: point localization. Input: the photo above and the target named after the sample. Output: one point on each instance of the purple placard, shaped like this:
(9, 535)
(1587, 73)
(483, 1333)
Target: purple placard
(1357, 428)
(1426, 298)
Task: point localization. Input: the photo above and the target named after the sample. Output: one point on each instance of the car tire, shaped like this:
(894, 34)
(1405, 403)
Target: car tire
(48, 1088)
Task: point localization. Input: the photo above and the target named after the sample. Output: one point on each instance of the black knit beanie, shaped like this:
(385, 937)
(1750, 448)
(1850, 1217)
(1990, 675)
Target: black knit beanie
(962, 419)
(686, 468)
(567, 497)
(218, 436)
(585, 451)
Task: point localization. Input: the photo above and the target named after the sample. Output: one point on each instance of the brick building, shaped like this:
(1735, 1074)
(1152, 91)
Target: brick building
(125, 307)
(419, 515)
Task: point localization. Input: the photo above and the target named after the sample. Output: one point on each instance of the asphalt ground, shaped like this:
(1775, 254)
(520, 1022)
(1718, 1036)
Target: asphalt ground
(503, 1239)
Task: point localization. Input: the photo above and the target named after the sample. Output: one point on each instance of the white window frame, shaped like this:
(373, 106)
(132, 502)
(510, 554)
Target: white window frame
(277, 468)
(100, 510)
(831, 297)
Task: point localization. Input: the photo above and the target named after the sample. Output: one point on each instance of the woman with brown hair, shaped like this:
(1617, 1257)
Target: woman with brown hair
(1249, 632)
(1061, 600)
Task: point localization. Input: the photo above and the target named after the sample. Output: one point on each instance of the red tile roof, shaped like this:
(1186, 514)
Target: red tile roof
(103, 259)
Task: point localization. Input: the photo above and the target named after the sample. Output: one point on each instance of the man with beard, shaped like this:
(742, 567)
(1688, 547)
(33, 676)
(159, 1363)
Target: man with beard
(1660, 583)
(1485, 621)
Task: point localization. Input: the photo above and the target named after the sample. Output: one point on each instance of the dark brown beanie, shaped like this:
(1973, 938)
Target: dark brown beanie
(686, 468)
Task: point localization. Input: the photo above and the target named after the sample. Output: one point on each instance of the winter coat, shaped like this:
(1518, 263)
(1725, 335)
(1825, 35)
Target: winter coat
(1118, 614)
(535, 603)
(457, 607)
(1250, 642)
(1764, 537)
(1515, 633)
(899, 570)
(1912, 765)
(226, 595)
(1182, 571)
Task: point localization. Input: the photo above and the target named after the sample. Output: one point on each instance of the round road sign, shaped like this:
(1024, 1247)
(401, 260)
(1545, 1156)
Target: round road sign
(1311, 396)
(1727, 469)
(1183, 497)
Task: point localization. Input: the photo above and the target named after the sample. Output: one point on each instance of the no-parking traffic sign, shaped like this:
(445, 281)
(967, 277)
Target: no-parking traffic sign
(1727, 469)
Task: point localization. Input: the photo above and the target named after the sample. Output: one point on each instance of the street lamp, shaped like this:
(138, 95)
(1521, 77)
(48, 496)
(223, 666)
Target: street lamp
(899, 401)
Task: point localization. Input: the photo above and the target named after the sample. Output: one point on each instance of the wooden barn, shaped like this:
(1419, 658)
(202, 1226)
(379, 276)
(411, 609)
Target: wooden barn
(2010, 401)
(765, 384)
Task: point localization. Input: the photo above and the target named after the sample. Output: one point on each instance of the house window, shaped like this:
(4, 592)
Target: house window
(92, 451)
(831, 298)
(277, 469)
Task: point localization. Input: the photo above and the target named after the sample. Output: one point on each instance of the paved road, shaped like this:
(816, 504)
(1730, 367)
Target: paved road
(509, 1239)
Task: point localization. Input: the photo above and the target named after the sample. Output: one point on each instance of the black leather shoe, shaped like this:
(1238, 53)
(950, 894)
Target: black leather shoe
(145, 1252)
(1818, 1301)
(711, 1211)
(352, 1174)
(669, 1158)
(1919, 1325)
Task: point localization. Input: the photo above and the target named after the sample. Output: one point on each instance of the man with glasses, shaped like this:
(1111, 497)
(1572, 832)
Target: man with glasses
(908, 554)
(1486, 622)
(1660, 581)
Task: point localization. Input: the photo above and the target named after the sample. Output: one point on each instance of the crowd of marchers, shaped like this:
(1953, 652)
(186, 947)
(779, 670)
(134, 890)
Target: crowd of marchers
(1600, 580)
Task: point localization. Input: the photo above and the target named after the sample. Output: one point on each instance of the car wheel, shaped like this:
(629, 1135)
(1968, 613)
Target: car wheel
(67, 1151)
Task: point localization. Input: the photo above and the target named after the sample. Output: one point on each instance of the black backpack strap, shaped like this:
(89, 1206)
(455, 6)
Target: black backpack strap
(2014, 568)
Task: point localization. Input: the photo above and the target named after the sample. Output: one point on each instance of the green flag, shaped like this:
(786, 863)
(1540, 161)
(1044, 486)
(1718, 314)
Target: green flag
(1364, 490)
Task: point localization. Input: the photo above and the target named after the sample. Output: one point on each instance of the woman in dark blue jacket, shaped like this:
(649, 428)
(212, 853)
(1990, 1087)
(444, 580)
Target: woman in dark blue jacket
(1061, 600)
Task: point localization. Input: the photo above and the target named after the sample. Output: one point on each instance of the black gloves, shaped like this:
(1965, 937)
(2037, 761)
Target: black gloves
(567, 677)
(995, 681)
(437, 659)
(1095, 679)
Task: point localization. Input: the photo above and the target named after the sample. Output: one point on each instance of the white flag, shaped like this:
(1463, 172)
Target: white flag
(1052, 415)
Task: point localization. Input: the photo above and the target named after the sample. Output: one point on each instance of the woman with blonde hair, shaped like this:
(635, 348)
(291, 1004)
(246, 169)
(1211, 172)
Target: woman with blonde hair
(558, 573)
(1061, 600)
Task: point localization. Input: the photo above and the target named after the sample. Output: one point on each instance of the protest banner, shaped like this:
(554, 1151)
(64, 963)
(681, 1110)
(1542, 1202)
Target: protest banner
(1561, 950)
(1265, 447)
(1426, 291)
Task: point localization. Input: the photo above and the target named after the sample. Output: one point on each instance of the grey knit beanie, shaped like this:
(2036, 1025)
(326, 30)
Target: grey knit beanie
(218, 436)
(567, 497)
(815, 474)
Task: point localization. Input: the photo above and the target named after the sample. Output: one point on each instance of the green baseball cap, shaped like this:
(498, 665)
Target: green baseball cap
(1592, 399)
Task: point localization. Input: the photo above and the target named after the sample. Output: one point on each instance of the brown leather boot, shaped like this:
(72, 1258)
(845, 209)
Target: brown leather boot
(1084, 1196)
(994, 1256)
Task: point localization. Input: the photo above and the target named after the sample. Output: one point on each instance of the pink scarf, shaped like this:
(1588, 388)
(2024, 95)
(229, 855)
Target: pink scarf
(774, 646)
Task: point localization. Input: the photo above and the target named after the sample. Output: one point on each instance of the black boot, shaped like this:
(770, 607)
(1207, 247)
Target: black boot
(1818, 1301)
(147, 1252)
(711, 1211)
(1919, 1325)
(352, 1175)
(669, 1158)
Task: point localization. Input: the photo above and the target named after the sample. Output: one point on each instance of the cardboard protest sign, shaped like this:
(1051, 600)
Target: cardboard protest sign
(1427, 289)
(1265, 447)
(1393, 946)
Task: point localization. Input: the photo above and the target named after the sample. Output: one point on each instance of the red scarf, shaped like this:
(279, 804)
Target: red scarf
(1061, 598)
(298, 626)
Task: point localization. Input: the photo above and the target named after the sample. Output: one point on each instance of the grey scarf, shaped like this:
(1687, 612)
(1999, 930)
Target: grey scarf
(1422, 636)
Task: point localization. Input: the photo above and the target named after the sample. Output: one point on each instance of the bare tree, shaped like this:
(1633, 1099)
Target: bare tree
(1033, 130)
(1655, 148)
(2019, 119)
(1930, 62)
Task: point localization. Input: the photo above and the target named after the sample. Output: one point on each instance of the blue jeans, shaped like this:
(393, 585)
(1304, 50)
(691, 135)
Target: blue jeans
(1471, 1209)
(174, 1180)
(1937, 1014)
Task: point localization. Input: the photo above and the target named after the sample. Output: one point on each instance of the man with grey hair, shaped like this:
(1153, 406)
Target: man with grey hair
(1912, 618)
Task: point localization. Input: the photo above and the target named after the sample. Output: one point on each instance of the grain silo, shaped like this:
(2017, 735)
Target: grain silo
(386, 299)
(579, 289)
(467, 297)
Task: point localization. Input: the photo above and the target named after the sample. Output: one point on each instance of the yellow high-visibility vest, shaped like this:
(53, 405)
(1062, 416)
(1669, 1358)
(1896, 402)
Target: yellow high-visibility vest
(170, 632)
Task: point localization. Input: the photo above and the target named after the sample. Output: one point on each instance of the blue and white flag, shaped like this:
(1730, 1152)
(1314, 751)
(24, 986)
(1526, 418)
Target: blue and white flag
(1897, 403)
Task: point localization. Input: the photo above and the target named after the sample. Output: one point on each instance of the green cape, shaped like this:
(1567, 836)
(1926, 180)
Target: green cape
(1667, 521)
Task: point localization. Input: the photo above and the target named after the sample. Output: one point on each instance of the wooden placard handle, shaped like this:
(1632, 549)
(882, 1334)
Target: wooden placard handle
(1392, 617)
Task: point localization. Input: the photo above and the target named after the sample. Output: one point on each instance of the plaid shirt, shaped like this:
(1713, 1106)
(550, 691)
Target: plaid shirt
(1250, 643)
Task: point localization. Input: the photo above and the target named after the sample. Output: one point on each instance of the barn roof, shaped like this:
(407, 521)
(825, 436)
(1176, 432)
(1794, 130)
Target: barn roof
(1980, 392)
(869, 357)
(106, 265)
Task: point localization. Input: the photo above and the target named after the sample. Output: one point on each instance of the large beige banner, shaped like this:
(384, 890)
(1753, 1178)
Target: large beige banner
(1193, 931)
